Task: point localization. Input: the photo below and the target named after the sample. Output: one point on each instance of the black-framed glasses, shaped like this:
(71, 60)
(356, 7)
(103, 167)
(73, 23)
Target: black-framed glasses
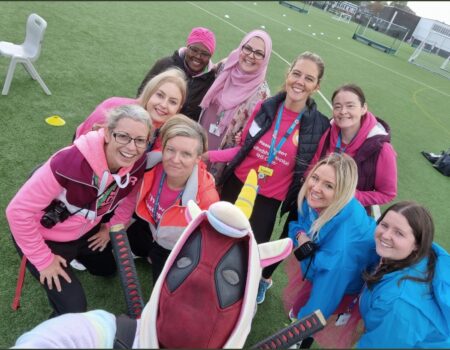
(248, 50)
(199, 52)
(124, 139)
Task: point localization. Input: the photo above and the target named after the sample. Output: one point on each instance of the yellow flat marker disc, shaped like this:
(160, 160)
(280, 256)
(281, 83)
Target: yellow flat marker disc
(55, 120)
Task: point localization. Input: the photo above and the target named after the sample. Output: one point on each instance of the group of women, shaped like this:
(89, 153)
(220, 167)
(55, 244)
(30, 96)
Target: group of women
(194, 132)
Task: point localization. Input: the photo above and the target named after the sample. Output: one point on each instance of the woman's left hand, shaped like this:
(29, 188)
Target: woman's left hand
(302, 238)
(100, 240)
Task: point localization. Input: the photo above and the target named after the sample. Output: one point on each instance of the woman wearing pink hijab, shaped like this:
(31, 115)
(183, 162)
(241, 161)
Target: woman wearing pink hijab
(239, 86)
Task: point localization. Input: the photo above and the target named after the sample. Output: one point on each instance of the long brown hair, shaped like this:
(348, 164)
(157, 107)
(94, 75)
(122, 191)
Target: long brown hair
(421, 223)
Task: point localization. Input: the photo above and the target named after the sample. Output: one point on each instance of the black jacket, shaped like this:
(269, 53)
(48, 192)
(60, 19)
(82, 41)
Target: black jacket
(197, 86)
(312, 126)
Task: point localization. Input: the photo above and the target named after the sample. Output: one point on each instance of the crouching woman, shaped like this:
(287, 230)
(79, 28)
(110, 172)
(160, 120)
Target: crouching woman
(335, 239)
(176, 175)
(406, 301)
(58, 213)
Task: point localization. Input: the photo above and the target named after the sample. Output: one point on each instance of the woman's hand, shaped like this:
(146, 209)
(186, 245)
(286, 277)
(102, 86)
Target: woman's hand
(52, 272)
(100, 240)
(238, 138)
(205, 157)
(302, 238)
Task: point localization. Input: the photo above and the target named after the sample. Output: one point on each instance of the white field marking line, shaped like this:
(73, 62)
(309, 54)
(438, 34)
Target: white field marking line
(349, 52)
(273, 51)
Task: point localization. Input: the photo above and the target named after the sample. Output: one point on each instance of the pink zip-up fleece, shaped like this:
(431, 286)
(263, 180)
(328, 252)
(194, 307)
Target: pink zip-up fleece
(75, 167)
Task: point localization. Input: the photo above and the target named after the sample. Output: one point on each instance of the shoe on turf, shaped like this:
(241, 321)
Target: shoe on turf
(262, 289)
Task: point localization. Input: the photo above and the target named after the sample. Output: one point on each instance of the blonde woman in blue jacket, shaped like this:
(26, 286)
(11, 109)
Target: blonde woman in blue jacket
(406, 303)
(335, 243)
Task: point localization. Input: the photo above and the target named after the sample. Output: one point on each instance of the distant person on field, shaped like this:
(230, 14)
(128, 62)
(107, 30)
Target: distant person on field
(354, 130)
(66, 207)
(240, 85)
(195, 61)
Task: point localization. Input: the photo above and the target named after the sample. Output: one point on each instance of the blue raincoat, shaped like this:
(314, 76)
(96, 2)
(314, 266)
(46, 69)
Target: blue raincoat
(346, 248)
(412, 314)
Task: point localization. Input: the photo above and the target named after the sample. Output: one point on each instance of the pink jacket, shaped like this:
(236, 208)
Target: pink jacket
(26, 208)
(385, 189)
(98, 116)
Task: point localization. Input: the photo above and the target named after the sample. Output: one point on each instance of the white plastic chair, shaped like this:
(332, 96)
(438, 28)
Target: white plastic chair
(26, 53)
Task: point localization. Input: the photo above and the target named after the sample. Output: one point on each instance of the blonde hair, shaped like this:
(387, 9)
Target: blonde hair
(180, 125)
(172, 75)
(346, 172)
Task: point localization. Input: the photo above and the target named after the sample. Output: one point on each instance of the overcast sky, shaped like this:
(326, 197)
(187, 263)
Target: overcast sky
(439, 10)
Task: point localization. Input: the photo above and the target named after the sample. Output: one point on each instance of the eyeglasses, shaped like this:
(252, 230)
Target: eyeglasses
(248, 50)
(198, 52)
(125, 139)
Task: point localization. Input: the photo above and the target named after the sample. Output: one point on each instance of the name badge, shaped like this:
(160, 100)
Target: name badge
(266, 171)
(342, 319)
(254, 129)
(214, 129)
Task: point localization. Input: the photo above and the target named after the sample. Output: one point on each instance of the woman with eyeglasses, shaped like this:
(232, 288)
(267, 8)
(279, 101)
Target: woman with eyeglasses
(162, 97)
(239, 86)
(58, 213)
(195, 61)
(176, 176)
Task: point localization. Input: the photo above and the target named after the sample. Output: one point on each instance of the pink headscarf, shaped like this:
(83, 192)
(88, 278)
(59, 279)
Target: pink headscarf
(203, 36)
(233, 87)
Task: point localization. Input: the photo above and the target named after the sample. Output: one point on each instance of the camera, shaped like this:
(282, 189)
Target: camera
(305, 250)
(54, 213)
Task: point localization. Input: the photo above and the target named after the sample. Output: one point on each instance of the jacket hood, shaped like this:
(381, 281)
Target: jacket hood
(92, 147)
(370, 127)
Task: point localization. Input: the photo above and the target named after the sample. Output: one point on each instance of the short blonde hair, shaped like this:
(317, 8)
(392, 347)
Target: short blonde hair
(346, 180)
(180, 125)
(172, 75)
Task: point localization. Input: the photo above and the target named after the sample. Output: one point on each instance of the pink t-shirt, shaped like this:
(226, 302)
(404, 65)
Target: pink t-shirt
(277, 185)
(167, 198)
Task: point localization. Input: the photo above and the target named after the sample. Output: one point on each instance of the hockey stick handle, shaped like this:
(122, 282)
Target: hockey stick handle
(294, 333)
(127, 271)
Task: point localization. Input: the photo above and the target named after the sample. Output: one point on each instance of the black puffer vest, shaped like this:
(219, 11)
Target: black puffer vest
(312, 126)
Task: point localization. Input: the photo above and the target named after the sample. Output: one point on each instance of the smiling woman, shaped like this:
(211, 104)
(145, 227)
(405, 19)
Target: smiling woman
(162, 97)
(408, 293)
(195, 61)
(77, 190)
(240, 85)
(358, 133)
(334, 236)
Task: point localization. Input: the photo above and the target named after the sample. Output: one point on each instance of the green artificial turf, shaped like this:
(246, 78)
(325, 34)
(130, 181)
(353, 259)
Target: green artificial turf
(95, 50)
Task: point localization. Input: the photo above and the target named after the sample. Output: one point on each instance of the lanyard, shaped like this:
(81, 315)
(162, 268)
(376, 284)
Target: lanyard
(275, 149)
(102, 196)
(339, 148)
(158, 195)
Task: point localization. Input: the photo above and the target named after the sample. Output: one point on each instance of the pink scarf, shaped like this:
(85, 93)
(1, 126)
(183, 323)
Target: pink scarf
(233, 87)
